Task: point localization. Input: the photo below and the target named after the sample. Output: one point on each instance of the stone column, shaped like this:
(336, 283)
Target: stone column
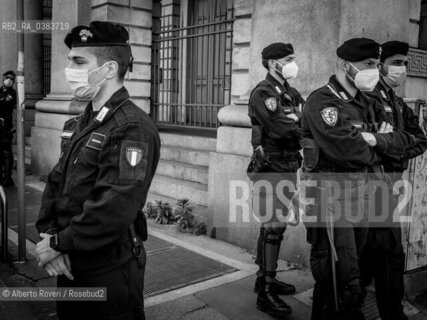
(33, 44)
(58, 106)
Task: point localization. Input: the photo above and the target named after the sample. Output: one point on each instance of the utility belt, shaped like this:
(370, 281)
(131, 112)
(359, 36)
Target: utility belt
(138, 233)
(287, 155)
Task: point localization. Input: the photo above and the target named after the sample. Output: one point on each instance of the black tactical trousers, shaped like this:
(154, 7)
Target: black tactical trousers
(125, 300)
(350, 234)
(383, 260)
(281, 169)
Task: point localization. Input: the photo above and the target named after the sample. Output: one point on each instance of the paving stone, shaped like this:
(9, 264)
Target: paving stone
(205, 314)
(174, 310)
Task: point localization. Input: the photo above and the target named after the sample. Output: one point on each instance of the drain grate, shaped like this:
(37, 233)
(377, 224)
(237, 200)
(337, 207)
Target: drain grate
(169, 267)
(178, 267)
(154, 244)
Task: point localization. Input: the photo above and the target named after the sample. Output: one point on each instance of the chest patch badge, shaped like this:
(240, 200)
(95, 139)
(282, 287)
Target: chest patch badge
(67, 134)
(102, 114)
(95, 141)
(388, 109)
(271, 104)
(133, 155)
(329, 115)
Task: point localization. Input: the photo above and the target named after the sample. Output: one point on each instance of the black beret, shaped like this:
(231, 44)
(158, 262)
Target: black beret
(391, 48)
(277, 50)
(9, 73)
(99, 33)
(358, 49)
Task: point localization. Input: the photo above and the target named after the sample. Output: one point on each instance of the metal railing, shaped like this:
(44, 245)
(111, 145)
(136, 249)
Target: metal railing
(191, 72)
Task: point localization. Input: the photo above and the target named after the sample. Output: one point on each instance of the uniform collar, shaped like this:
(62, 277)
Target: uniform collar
(111, 105)
(383, 86)
(278, 87)
(338, 90)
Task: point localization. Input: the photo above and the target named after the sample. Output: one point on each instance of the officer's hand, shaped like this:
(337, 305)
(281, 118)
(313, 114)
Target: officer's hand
(385, 128)
(369, 138)
(43, 250)
(293, 116)
(58, 266)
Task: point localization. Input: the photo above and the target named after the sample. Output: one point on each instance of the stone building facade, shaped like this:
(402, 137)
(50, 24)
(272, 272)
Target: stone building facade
(195, 65)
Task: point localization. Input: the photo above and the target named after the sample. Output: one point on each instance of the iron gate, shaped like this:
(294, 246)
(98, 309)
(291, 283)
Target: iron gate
(191, 71)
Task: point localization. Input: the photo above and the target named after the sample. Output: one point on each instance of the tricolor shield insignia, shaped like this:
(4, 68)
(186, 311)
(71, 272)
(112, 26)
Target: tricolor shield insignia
(329, 115)
(271, 104)
(133, 155)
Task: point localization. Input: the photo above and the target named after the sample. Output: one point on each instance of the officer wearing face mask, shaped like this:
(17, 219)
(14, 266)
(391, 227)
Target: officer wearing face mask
(274, 109)
(88, 220)
(345, 136)
(7, 104)
(383, 259)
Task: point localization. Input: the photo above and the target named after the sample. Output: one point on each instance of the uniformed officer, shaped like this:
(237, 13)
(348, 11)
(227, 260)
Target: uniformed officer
(341, 144)
(109, 155)
(383, 258)
(7, 104)
(274, 109)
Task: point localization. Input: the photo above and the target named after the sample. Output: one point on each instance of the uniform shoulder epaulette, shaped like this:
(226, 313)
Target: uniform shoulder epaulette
(128, 113)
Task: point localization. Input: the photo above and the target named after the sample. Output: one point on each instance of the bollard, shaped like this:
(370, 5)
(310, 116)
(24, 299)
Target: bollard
(4, 237)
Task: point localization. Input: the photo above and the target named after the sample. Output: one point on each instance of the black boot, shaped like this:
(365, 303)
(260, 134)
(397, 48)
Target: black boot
(269, 302)
(279, 287)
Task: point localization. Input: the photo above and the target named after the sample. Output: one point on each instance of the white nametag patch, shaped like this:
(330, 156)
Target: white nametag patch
(388, 109)
(95, 141)
(67, 134)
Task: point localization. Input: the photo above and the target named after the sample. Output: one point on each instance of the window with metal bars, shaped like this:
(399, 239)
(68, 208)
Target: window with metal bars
(191, 70)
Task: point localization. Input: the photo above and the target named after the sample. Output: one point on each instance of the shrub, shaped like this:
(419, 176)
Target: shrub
(164, 213)
(183, 213)
(150, 210)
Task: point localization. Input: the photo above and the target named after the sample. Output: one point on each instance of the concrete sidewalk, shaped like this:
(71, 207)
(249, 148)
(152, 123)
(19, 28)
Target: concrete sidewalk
(228, 296)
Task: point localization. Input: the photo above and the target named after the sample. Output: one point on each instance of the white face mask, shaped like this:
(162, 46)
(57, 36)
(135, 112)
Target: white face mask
(8, 83)
(288, 71)
(78, 81)
(396, 75)
(367, 79)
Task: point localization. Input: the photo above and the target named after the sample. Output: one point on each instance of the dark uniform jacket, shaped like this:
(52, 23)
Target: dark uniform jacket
(332, 123)
(7, 104)
(401, 116)
(269, 103)
(100, 183)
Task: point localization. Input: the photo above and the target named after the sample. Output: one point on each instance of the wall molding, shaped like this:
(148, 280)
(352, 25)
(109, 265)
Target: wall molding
(417, 66)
